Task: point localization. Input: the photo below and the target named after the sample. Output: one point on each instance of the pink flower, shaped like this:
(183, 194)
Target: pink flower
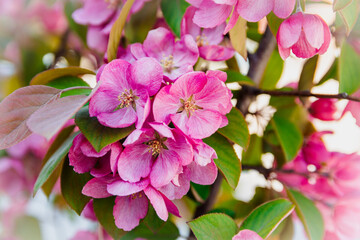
(196, 103)
(247, 235)
(304, 34)
(207, 39)
(314, 150)
(323, 109)
(158, 153)
(212, 13)
(353, 108)
(123, 97)
(176, 58)
(131, 203)
(84, 158)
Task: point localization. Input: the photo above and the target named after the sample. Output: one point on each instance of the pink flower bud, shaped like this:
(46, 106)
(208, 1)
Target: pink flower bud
(304, 34)
(323, 109)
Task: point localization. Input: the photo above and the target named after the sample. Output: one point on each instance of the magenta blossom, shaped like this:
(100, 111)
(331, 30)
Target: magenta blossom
(207, 39)
(323, 109)
(84, 158)
(304, 34)
(196, 103)
(176, 58)
(247, 235)
(123, 97)
(100, 15)
(131, 203)
(158, 153)
(212, 13)
(314, 150)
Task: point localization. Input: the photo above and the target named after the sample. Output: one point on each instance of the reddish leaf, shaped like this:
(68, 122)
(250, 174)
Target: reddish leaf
(48, 120)
(18, 107)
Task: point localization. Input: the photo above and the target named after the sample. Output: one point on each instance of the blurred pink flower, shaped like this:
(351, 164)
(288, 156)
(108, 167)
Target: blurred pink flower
(304, 34)
(247, 235)
(353, 108)
(323, 109)
(207, 39)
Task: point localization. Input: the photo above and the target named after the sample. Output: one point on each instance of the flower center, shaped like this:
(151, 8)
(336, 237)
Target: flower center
(113, 3)
(155, 147)
(126, 99)
(188, 105)
(201, 40)
(136, 195)
(167, 63)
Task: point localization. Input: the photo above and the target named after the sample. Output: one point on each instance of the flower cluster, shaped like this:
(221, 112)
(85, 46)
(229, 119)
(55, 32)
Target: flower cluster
(157, 161)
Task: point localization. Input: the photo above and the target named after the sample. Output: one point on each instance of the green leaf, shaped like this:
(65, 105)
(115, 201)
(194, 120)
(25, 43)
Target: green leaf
(72, 184)
(272, 72)
(153, 228)
(80, 30)
(274, 22)
(349, 15)
(265, 218)
(238, 37)
(98, 135)
(289, 136)
(252, 156)
(227, 162)
(201, 192)
(308, 214)
(117, 29)
(47, 76)
(332, 73)
(237, 129)
(141, 22)
(59, 140)
(173, 11)
(68, 82)
(340, 4)
(349, 70)
(103, 209)
(53, 162)
(233, 76)
(213, 226)
(306, 81)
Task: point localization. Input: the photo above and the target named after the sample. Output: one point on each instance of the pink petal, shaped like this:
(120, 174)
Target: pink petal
(134, 137)
(247, 235)
(313, 29)
(186, 51)
(219, 75)
(96, 39)
(203, 123)
(214, 35)
(195, 3)
(157, 200)
(102, 167)
(137, 50)
(284, 52)
(211, 14)
(96, 188)
(88, 211)
(302, 48)
(93, 12)
(129, 210)
(327, 38)
(148, 73)
(254, 10)
(216, 53)
(171, 207)
(290, 30)
(182, 147)
(121, 118)
(135, 163)
(283, 8)
(204, 175)
(103, 101)
(188, 85)
(228, 2)
(233, 19)
(158, 43)
(164, 105)
(165, 168)
(163, 129)
(78, 160)
(122, 188)
(187, 24)
(143, 106)
(203, 153)
(177, 192)
(116, 149)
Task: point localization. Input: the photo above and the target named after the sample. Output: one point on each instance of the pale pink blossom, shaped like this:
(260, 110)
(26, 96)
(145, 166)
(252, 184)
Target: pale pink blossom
(212, 13)
(353, 108)
(304, 34)
(123, 97)
(196, 103)
(207, 39)
(176, 57)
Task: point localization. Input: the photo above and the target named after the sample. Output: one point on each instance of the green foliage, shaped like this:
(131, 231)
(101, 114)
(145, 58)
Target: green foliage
(340, 4)
(47, 76)
(252, 156)
(72, 184)
(306, 81)
(349, 70)
(53, 162)
(288, 134)
(237, 130)
(173, 11)
(265, 218)
(227, 161)
(349, 15)
(308, 214)
(213, 226)
(272, 72)
(274, 22)
(98, 135)
(234, 76)
(103, 208)
(68, 82)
